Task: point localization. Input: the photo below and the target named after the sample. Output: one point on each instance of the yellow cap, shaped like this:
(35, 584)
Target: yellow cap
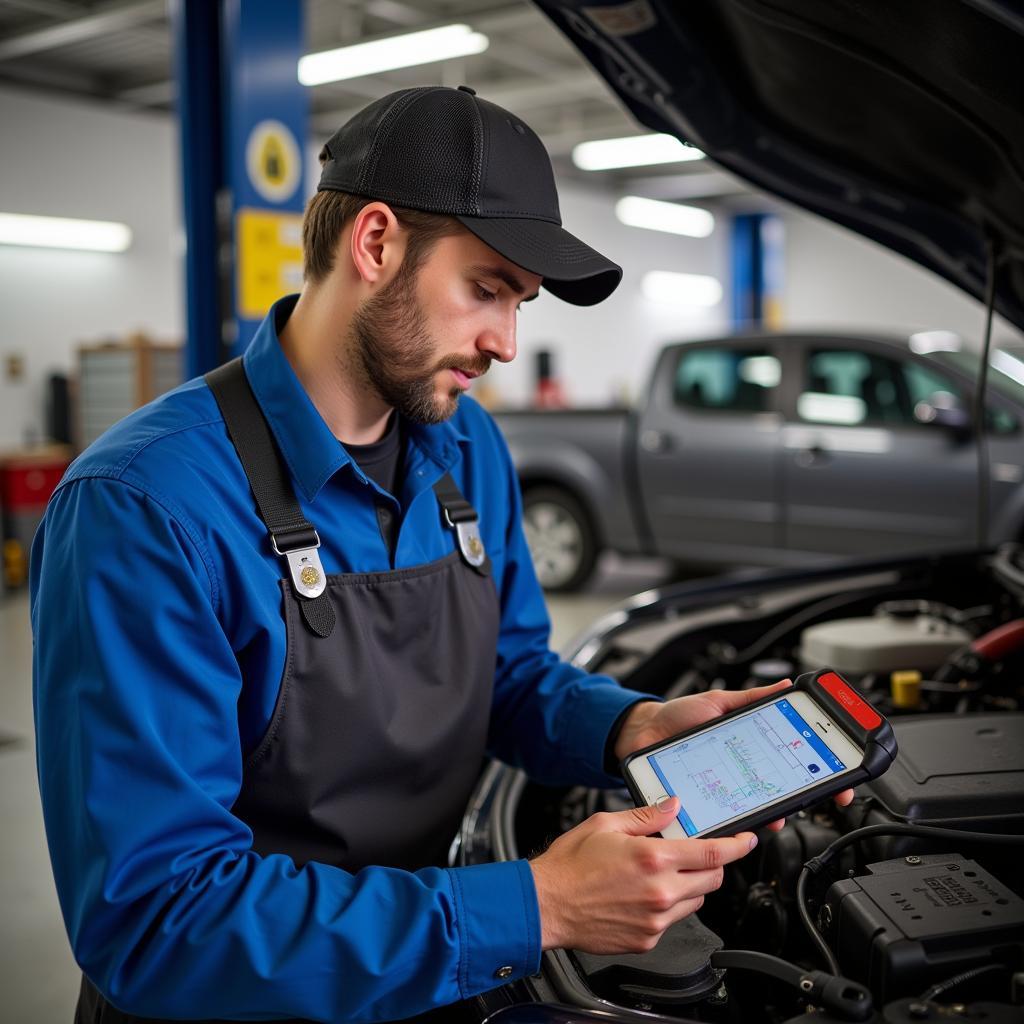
(906, 688)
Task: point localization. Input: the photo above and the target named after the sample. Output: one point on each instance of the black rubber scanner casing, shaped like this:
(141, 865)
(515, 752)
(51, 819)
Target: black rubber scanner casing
(847, 708)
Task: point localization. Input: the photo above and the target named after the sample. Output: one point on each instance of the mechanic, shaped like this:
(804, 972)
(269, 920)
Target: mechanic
(282, 613)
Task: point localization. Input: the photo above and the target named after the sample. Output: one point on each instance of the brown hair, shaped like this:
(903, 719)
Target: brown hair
(329, 211)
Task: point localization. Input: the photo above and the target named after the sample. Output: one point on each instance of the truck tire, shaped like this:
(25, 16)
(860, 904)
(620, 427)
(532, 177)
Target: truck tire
(561, 537)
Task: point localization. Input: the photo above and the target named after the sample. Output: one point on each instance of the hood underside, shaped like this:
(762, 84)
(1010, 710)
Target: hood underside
(902, 120)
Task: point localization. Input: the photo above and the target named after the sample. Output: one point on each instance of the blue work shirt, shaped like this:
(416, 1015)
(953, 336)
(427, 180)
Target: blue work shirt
(159, 649)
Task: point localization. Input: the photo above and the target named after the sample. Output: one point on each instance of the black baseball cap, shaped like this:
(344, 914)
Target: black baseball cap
(447, 151)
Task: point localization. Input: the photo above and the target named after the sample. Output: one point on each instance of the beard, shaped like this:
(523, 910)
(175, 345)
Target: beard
(394, 352)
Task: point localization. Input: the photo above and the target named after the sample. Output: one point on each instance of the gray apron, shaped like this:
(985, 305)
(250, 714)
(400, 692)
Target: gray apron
(379, 729)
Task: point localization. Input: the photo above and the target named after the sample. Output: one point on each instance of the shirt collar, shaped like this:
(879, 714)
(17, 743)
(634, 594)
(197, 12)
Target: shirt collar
(313, 454)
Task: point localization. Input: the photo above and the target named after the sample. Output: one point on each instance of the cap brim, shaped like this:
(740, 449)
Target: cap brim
(570, 268)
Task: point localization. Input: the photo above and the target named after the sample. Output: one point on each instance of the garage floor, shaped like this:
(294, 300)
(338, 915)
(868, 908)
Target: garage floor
(38, 977)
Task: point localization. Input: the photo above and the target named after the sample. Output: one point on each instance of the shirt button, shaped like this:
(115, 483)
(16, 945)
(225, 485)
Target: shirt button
(503, 972)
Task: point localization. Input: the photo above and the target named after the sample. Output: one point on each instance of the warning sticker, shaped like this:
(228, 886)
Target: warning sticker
(269, 259)
(623, 19)
(273, 161)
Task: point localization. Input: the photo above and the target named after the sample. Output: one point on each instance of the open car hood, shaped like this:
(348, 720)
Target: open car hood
(903, 121)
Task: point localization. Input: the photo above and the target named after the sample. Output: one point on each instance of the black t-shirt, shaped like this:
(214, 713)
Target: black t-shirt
(382, 463)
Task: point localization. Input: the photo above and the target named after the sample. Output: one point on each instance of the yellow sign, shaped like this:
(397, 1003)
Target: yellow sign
(272, 161)
(269, 263)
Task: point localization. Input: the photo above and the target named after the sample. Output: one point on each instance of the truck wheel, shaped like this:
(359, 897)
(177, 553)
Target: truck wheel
(560, 536)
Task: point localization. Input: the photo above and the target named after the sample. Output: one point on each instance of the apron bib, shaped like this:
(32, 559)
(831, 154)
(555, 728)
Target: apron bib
(378, 734)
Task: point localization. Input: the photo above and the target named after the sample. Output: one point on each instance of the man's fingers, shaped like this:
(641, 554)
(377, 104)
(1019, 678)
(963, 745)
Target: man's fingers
(844, 798)
(699, 883)
(640, 821)
(730, 700)
(707, 854)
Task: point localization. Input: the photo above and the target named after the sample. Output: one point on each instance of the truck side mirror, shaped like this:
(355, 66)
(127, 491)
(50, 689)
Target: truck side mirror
(944, 410)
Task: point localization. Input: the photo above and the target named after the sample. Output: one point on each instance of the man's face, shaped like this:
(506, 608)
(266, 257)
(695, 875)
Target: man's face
(421, 341)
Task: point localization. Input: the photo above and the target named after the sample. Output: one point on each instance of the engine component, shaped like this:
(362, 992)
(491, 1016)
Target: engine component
(836, 995)
(905, 688)
(984, 655)
(963, 771)
(881, 643)
(914, 1011)
(913, 921)
(677, 972)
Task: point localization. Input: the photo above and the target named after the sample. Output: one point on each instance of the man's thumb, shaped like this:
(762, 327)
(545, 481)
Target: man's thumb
(642, 821)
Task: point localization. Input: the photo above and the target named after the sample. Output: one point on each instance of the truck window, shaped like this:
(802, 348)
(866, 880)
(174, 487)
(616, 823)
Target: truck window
(848, 388)
(727, 380)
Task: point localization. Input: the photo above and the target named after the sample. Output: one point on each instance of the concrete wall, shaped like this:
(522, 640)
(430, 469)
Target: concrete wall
(63, 158)
(84, 160)
(836, 278)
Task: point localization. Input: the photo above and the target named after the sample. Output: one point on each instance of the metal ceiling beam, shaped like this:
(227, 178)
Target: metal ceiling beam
(101, 21)
(149, 94)
(50, 79)
(686, 185)
(54, 8)
(521, 94)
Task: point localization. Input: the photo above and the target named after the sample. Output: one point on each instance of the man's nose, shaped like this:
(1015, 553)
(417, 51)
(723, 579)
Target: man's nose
(499, 339)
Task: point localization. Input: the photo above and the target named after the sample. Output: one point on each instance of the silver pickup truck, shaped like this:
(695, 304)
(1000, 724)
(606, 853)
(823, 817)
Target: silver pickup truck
(777, 449)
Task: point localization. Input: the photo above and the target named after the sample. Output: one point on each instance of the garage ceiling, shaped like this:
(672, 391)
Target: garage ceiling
(119, 52)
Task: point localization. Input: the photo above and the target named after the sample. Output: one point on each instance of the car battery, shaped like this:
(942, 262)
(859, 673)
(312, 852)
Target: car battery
(27, 479)
(917, 920)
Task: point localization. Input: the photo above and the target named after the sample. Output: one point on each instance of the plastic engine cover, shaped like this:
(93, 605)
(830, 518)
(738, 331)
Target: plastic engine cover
(956, 770)
(882, 643)
(676, 972)
(903, 927)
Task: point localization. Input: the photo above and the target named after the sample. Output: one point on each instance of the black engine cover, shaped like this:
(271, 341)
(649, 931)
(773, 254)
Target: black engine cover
(906, 926)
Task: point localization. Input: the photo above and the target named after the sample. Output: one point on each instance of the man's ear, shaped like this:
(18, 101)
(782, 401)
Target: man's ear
(377, 244)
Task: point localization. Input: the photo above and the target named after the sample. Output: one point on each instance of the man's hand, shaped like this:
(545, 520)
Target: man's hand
(605, 887)
(651, 722)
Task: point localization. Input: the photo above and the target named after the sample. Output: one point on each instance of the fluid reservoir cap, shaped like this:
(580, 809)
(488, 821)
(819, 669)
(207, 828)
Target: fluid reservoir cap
(906, 688)
(771, 670)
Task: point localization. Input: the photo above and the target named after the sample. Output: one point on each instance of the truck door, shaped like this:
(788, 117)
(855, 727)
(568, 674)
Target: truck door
(865, 474)
(709, 451)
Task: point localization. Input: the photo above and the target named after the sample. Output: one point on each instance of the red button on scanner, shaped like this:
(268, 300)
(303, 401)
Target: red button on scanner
(861, 712)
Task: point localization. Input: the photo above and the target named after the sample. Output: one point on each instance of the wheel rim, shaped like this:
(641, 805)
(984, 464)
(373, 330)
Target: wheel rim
(555, 541)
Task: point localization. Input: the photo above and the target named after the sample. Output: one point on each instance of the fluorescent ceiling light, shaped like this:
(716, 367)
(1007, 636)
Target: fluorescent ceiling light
(658, 216)
(403, 51)
(681, 289)
(636, 151)
(926, 342)
(64, 233)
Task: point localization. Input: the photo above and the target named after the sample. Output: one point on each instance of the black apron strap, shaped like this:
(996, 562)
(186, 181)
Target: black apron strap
(291, 535)
(462, 518)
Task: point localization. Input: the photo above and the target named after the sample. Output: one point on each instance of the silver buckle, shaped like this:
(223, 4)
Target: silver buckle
(307, 572)
(470, 543)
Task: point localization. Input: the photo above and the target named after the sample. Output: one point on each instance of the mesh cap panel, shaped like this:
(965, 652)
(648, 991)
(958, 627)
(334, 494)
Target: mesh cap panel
(446, 151)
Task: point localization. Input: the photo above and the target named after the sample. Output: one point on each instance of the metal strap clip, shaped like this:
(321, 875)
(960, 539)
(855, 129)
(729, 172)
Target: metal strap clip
(467, 533)
(307, 572)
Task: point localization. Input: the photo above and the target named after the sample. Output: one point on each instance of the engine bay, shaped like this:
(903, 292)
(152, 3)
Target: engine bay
(930, 924)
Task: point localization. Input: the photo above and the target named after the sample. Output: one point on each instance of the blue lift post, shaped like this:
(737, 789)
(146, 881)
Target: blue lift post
(196, 29)
(757, 258)
(243, 116)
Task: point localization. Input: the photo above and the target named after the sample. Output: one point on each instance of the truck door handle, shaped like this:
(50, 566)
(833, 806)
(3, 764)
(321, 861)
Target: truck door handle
(809, 458)
(656, 441)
